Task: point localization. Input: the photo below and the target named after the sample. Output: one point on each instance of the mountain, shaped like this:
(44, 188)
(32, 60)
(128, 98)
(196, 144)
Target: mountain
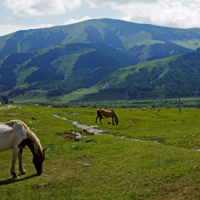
(61, 69)
(153, 79)
(108, 55)
(142, 40)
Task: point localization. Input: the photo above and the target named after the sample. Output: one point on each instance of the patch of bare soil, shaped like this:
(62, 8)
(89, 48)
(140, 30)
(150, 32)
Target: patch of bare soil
(7, 107)
(84, 156)
(70, 136)
(42, 185)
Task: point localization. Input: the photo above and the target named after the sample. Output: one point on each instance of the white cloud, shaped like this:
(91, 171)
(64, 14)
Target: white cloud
(7, 29)
(180, 13)
(72, 21)
(172, 13)
(40, 7)
(97, 3)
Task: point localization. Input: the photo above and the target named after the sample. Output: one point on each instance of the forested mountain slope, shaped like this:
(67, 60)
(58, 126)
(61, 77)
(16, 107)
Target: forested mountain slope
(62, 68)
(142, 40)
(98, 53)
(153, 79)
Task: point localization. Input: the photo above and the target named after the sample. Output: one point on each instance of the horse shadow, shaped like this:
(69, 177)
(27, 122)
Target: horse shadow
(11, 181)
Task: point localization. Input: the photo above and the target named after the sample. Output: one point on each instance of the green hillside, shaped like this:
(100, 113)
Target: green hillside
(62, 69)
(143, 39)
(149, 80)
(153, 79)
(105, 57)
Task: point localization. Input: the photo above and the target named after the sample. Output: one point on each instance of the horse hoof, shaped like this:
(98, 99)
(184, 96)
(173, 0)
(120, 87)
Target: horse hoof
(22, 173)
(15, 176)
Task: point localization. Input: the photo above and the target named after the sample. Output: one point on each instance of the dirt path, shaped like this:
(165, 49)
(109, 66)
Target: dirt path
(7, 107)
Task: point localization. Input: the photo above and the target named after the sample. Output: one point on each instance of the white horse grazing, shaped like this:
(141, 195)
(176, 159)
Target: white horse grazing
(16, 135)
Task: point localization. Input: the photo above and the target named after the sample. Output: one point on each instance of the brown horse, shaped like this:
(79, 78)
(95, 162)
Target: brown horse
(107, 113)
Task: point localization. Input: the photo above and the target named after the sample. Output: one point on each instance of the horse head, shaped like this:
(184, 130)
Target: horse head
(38, 161)
(116, 118)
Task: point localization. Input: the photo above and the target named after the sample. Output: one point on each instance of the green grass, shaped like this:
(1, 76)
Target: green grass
(32, 97)
(65, 64)
(119, 168)
(77, 94)
(138, 39)
(190, 44)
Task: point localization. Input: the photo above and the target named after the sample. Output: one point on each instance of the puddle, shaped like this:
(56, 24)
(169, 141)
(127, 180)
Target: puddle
(93, 130)
(75, 114)
(82, 126)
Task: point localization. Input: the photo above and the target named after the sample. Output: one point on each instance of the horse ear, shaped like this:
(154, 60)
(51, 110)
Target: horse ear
(44, 150)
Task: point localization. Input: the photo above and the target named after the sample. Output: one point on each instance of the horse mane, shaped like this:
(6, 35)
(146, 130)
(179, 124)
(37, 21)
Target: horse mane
(33, 138)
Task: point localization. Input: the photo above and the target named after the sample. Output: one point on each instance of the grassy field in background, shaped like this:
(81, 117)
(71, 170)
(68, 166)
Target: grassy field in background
(41, 98)
(164, 165)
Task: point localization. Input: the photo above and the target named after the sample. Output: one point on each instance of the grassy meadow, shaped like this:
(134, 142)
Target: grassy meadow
(164, 164)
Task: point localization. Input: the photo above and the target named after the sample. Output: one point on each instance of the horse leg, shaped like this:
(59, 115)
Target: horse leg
(113, 121)
(21, 170)
(14, 159)
(97, 118)
(100, 119)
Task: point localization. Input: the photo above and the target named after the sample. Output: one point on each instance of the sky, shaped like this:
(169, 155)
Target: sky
(31, 14)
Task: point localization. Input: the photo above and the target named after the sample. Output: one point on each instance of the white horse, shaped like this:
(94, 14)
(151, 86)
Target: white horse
(16, 135)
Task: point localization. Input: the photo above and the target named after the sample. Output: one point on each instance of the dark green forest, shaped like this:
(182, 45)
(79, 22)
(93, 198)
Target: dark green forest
(4, 99)
(96, 61)
(148, 83)
(8, 78)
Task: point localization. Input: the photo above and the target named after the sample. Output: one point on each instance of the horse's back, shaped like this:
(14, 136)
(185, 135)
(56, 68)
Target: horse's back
(106, 113)
(10, 136)
(4, 128)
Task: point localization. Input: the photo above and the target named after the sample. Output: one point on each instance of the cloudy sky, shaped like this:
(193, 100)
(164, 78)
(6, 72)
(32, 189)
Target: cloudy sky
(31, 14)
